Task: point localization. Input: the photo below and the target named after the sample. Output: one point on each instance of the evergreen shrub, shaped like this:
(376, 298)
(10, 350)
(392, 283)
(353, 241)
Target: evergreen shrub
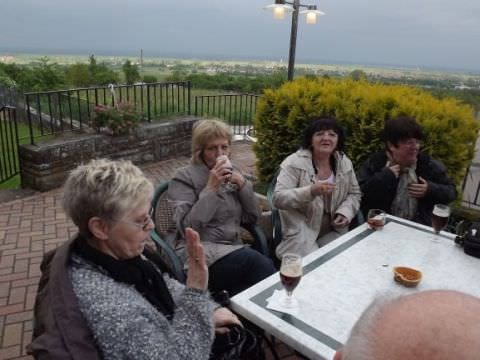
(361, 107)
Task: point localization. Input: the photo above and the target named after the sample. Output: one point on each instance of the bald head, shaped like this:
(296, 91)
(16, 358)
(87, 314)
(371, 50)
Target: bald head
(436, 325)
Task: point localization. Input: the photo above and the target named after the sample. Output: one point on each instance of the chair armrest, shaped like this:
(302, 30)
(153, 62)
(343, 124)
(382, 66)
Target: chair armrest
(277, 229)
(260, 243)
(173, 259)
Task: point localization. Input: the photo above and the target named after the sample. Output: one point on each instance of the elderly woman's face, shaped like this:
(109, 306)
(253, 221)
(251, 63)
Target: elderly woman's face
(324, 142)
(213, 149)
(128, 235)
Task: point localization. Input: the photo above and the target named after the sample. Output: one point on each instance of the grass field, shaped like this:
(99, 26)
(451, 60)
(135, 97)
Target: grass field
(12, 151)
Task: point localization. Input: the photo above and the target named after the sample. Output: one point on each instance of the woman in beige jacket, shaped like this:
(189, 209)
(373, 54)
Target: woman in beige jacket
(317, 191)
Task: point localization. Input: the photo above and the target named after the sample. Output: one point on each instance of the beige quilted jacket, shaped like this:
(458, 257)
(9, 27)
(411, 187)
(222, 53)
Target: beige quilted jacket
(300, 212)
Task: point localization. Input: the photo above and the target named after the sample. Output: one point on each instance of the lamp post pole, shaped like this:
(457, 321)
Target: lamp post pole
(293, 39)
(279, 9)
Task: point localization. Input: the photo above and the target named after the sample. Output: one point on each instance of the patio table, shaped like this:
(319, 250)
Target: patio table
(342, 278)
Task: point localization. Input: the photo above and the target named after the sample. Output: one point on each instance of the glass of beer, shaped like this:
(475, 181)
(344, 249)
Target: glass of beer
(227, 186)
(290, 274)
(376, 219)
(440, 216)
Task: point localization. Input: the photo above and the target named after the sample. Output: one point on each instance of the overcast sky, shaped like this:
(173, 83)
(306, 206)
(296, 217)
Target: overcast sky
(425, 33)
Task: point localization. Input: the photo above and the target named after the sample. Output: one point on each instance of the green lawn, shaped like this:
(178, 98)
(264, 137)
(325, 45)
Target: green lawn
(24, 138)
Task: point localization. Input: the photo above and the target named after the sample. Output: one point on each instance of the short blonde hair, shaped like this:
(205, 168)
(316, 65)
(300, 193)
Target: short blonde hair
(205, 131)
(104, 188)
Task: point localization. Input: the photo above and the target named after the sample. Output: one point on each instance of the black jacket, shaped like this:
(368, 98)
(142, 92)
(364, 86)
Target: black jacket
(379, 185)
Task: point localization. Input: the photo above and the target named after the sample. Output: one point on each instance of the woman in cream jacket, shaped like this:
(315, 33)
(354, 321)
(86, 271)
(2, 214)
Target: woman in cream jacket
(317, 192)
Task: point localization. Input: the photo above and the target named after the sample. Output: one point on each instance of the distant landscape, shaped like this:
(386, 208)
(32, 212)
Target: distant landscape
(165, 66)
(250, 76)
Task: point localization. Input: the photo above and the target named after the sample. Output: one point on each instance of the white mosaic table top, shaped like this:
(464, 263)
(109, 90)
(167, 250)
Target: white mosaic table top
(342, 278)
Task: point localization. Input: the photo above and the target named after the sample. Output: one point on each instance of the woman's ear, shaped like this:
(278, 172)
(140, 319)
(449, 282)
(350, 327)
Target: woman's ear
(389, 146)
(98, 227)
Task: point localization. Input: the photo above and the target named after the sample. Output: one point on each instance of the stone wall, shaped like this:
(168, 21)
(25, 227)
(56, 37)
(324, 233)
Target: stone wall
(45, 166)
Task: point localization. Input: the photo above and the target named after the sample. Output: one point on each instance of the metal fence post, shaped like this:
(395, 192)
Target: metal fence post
(189, 86)
(149, 118)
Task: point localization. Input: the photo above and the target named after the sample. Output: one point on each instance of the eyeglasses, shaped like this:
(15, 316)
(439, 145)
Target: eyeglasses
(411, 142)
(142, 225)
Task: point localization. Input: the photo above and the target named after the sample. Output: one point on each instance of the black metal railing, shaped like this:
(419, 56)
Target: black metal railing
(471, 187)
(59, 111)
(9, 162)
(237, 110)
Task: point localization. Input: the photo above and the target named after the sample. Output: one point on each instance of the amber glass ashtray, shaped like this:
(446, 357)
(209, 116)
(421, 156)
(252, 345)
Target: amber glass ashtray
(407, 276)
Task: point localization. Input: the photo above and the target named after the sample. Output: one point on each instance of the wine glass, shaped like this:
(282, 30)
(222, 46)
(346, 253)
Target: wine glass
(290, 274)
(376, 219)
(440, 216)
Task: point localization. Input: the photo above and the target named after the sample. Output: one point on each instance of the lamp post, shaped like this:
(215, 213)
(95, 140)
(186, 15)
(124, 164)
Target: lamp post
(279, 9)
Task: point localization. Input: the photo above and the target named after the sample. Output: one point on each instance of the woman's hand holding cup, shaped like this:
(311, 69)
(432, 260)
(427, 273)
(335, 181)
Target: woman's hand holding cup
(322, 188)
(220, 173)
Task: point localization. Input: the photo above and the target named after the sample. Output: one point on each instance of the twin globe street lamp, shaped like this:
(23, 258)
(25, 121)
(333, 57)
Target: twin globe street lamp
(279, 9)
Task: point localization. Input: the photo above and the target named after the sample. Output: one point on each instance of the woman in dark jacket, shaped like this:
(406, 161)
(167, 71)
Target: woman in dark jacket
(402, 180)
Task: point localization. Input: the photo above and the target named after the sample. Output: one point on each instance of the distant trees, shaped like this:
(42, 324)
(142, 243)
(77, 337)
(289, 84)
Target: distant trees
(251, 84)
(467, 96)
(104, 75)
(82, 75)
(78, 75)
(131, 72)
(101, 74)
(358, 74)
(47, 76)
(149, 79)
(8, 74)
(42, 76)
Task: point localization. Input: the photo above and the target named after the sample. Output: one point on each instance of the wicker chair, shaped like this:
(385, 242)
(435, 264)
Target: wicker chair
(165, 232)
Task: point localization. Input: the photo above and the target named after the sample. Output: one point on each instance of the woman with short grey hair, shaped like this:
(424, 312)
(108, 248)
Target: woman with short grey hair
(105, 285)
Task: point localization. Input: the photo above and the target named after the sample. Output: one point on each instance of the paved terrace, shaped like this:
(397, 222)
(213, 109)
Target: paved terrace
(30, 227)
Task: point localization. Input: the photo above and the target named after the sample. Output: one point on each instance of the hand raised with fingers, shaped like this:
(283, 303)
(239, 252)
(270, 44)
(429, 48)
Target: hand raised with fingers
(197, 277)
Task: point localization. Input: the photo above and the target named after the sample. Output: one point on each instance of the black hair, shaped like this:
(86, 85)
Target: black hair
(320, 124)
(401, 128)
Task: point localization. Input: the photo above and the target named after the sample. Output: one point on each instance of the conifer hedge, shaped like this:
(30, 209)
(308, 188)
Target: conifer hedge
(361, 107)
